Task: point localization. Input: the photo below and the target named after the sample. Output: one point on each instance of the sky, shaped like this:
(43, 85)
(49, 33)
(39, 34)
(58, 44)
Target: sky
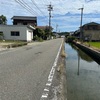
(66, 15)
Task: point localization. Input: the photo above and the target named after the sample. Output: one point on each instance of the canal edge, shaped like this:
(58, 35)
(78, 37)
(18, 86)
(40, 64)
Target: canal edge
(90, 51)
(58, 90)
(64, 74)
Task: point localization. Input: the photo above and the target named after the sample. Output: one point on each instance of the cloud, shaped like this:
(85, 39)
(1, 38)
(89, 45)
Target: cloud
(65, 12)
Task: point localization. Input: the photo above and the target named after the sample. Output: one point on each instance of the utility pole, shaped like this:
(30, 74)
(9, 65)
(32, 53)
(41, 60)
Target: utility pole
(81, 31)
(50, 8)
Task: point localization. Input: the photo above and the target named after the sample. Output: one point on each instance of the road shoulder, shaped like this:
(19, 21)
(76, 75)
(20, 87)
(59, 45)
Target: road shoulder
(58, 90)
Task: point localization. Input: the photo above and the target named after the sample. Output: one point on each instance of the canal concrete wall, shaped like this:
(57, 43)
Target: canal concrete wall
(90, 51)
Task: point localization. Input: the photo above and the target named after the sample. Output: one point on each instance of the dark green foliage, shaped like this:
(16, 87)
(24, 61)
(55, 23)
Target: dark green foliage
(42, 34)
(64, 33)
(70, 38)
(38, 33)
(47, 33)
(3, 20)
(67, 34)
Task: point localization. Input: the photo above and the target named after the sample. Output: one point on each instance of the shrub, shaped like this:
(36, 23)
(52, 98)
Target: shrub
(39, 39)
(70, 39)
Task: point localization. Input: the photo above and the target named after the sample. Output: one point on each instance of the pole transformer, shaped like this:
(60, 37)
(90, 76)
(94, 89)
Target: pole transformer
(50, 8)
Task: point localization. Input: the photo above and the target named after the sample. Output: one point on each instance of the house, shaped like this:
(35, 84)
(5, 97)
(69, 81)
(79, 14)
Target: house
(76, 34)
(91, 31)
(17, 32)
(24, 20)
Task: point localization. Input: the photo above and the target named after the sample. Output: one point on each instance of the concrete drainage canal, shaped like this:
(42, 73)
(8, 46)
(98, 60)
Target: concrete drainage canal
(83, 75)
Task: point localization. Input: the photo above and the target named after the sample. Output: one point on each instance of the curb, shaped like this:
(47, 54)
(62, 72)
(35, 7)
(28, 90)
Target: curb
(2, 49)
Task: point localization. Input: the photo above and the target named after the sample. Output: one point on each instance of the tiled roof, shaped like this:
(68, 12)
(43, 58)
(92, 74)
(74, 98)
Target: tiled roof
(91, 23)
(24, 17)
(42, 27)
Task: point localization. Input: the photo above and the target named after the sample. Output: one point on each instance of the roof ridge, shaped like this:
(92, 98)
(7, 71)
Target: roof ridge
(91, 23)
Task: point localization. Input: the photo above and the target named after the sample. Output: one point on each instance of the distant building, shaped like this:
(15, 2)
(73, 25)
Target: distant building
(91, 31)
(17, 32)
(24, 20)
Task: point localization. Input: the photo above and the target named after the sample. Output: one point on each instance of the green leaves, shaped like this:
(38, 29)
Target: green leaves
(3, 20)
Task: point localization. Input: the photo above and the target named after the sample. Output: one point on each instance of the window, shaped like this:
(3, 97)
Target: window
(15, 33)
(15, 23)
(25, 23)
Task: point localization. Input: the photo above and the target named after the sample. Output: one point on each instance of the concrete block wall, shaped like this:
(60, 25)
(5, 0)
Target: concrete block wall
(91, 52)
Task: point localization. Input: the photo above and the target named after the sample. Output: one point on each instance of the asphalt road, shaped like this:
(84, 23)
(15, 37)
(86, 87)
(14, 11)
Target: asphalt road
(24, 70)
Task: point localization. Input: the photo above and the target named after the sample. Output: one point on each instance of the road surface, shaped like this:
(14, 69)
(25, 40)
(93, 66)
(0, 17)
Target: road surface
(24, 71)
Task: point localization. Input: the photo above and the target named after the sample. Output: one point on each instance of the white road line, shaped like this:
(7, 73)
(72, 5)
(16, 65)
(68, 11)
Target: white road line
(50, 77)
(46, 89)
(48, 84)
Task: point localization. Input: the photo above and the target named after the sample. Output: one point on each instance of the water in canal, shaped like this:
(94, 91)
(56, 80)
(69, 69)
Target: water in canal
(83, 75)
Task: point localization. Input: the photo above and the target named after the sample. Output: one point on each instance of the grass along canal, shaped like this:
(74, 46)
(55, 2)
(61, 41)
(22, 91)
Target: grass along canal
(83, 75)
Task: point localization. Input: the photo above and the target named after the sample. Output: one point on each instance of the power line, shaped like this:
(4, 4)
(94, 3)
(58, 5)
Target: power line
(26, 7)
(23, 6)
(29, 9)
(39, 10)
(38, 7)
(29, 6)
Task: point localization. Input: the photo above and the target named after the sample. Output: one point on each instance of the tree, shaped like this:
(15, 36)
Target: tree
(39, 33)
(48, 32)
(3, 20)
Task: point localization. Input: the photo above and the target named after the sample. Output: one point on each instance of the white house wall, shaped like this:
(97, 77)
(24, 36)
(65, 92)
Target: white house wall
(29, 34)
(6, 29)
